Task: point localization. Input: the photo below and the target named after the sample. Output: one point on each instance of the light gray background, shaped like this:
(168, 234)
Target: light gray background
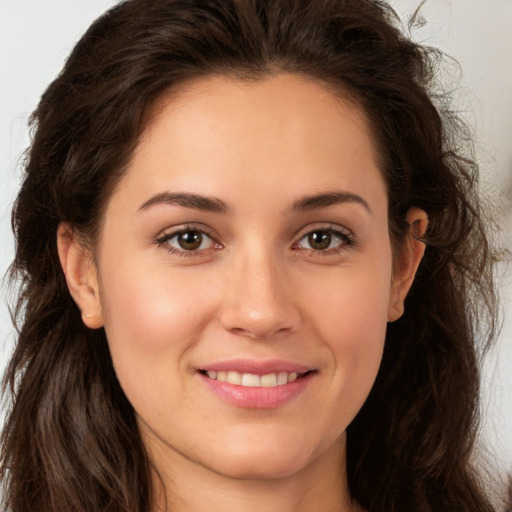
(36, 36)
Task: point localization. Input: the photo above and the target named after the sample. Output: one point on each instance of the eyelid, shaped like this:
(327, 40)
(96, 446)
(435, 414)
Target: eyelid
(170, 233)
(319, 226)
(342, 232)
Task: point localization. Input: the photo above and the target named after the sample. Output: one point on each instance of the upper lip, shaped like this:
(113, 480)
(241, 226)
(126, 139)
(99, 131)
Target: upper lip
(257, 367)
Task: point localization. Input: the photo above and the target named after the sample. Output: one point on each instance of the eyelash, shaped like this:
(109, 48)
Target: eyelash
(346, 237)
(166, 237)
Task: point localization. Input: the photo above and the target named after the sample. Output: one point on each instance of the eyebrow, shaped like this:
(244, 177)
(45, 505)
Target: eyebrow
(324, 200)
(195, 201)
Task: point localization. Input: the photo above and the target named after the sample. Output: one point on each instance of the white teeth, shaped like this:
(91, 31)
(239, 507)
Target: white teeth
(282, 378)
(234, 378)
(270, 380)
(250, 380)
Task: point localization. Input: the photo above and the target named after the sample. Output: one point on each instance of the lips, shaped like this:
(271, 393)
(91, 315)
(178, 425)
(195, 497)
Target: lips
(255, 384)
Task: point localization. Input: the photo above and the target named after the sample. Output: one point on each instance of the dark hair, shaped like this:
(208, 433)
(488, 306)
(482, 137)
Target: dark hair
(71, 440)
(508, 498)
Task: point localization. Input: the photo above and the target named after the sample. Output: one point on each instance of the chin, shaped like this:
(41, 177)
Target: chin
(273, 458)
(270, 468)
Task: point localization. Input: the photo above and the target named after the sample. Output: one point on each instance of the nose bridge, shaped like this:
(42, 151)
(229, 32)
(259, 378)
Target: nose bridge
(258, 300)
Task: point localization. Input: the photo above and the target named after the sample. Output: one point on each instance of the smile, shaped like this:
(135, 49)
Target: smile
(257, 385)
(252, 380)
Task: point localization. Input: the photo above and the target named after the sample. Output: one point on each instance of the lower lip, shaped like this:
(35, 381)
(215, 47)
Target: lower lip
(258, 397)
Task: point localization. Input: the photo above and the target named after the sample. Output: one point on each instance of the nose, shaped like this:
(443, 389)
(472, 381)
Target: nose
(258, 299)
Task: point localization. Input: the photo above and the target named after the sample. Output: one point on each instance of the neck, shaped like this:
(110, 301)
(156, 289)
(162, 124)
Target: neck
(185, 485)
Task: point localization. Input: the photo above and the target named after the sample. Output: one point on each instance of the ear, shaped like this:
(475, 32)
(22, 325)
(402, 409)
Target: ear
(81, 276)
(408, 261)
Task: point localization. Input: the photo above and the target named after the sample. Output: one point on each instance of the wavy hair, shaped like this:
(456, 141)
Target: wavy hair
(71, 440)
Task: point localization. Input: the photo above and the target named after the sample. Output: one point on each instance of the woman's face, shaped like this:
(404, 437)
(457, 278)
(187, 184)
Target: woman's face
(245, 275)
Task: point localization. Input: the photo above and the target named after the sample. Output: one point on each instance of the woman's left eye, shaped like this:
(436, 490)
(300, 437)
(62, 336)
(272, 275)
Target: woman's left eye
(324, 239)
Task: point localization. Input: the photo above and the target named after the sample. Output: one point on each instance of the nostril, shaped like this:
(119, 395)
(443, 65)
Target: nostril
(259, 317)
(247, 333)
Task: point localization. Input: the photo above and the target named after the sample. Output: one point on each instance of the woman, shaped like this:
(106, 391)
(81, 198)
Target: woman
(253, 269)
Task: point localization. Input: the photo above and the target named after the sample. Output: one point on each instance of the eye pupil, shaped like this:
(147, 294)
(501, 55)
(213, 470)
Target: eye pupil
(319, 240)
(190, 240)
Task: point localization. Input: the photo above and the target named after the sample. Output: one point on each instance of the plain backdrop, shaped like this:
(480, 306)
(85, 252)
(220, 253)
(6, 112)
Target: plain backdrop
(36, 36)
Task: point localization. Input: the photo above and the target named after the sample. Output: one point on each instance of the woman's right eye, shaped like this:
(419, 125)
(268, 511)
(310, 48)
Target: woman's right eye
(186, 242)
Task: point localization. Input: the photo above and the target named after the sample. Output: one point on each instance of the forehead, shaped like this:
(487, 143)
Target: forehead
(228, 138)
(217, 98)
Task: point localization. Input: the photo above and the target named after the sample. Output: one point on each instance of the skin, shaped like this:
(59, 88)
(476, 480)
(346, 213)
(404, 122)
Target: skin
(257, 288)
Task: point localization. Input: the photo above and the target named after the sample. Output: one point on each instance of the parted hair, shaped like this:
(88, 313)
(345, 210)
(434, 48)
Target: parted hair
(71, 441)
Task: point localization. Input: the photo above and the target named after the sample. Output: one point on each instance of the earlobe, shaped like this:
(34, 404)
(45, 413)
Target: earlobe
(81, 276)
(408, 262)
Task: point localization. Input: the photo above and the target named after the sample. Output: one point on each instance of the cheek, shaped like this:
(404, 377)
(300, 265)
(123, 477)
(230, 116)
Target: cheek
(139, 300)
(351, 319)
(351, 301)
(151, 321)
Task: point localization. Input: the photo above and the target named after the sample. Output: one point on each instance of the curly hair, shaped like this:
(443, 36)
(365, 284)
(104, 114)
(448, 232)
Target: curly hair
(71, 440)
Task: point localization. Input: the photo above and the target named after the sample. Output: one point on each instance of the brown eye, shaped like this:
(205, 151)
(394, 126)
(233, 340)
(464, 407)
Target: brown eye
(190, 240)
(326, 240)
(319, 240)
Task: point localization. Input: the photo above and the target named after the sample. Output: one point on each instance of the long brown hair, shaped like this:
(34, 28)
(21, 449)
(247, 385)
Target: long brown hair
(71, 440)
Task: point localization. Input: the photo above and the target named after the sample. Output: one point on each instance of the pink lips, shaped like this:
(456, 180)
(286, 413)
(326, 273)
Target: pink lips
(257, 397)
